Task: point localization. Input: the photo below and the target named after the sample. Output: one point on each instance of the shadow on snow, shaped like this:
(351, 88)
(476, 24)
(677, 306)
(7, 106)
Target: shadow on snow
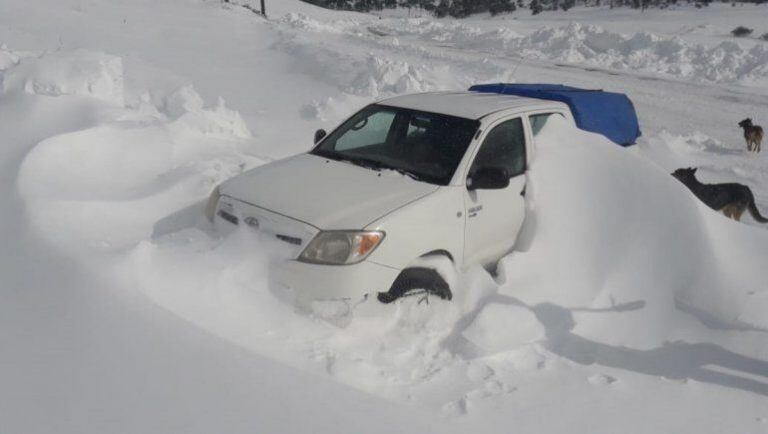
(677, 360)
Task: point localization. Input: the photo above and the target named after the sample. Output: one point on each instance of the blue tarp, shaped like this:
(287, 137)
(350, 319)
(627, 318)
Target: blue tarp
(607, 113)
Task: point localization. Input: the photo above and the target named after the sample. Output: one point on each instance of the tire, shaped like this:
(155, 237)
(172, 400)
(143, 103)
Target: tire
(416, 278)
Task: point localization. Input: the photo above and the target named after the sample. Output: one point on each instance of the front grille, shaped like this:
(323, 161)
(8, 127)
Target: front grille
(228, 217)
(288, 239)
(289, 231)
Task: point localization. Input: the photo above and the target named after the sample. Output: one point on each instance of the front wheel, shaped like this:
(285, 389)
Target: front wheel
(415, 280)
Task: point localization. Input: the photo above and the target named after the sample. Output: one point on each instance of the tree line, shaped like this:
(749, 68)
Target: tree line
(464, 8)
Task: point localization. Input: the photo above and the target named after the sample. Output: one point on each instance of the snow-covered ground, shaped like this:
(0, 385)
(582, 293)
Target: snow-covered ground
(626, 307)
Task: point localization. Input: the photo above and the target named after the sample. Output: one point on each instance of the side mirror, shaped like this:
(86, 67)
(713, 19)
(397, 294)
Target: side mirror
(488, 178)
(319, 135)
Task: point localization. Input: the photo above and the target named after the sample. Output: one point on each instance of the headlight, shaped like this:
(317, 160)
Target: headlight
(213, 202)
(341, 247)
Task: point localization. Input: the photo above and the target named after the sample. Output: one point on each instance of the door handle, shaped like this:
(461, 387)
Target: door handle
(522, 193)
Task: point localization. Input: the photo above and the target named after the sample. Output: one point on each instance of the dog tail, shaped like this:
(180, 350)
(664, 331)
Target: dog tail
(754, 211)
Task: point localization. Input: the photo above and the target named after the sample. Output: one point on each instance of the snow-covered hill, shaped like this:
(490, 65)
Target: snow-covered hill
(627, 306)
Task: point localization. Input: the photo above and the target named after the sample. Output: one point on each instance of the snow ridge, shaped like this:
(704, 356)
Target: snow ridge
(595, 46)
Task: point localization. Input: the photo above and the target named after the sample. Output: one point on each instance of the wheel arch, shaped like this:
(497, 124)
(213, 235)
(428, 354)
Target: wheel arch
(422, 271)
(439, 252)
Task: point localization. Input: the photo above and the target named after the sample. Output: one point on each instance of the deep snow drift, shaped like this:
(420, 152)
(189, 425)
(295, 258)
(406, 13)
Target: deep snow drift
(627, 305)
(147, 160)
(82, 350)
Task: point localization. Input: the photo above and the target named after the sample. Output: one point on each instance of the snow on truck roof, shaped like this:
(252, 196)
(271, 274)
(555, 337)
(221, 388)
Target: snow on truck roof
(471, 105)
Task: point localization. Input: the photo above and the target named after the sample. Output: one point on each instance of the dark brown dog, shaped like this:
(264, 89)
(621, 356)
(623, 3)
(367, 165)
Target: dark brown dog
(753, 134)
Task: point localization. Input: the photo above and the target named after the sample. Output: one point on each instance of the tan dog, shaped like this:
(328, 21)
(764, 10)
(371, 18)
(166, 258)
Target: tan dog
(753, 134)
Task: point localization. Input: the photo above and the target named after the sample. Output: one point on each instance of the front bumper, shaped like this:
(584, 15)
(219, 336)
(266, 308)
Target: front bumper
(309, 282)
(333, 282)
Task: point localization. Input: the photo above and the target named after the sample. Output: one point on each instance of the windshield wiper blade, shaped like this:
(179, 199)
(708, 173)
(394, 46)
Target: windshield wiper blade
(375, 165)
(413, 175)
(378, 166)
(338, 156)
(363, 162)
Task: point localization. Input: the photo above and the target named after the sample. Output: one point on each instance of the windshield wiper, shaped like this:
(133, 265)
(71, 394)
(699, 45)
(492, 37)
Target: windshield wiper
(371, 164)
(338, 156)
(409, 173)
(378, 166)
(363, 162)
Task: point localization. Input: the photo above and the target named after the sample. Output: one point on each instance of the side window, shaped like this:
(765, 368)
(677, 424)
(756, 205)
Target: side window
(538, 122)
(503, 147)
(368, 131)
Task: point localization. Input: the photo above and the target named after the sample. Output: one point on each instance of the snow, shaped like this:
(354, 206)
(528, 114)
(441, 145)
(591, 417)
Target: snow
(654, 251)
(69, 73)
(646, 52)
(484, 330)
(575, 43)
(134, 167)
(7, 58)
(627, 305)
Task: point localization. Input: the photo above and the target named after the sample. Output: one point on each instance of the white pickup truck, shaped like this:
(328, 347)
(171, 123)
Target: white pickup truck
(426, 175)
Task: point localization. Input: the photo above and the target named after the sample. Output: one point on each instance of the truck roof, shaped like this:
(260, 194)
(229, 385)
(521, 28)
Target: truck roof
(470, 105)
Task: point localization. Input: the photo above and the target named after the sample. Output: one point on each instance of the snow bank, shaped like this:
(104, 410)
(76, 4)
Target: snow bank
(608, 230)
(303, 22)
(7, 58)
(190, 117)
(369, 75)
(137, 165)
(363, 76)
(379, 76)
(520, 327)
(595, 46)
(223, 286)
(647, 52)
(78, 72)
(448, 33)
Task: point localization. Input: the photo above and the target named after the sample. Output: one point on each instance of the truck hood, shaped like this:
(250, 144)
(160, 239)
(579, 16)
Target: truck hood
(325, 193)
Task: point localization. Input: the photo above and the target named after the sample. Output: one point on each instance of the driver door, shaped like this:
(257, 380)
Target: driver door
(494, 216)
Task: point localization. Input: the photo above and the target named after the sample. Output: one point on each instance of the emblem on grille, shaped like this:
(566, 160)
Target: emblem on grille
(252, 222)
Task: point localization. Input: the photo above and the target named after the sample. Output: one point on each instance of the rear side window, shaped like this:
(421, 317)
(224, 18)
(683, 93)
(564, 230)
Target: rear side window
(503, 147)
(538, 121)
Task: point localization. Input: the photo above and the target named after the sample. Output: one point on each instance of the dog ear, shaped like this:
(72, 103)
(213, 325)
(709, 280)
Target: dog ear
(694, 169)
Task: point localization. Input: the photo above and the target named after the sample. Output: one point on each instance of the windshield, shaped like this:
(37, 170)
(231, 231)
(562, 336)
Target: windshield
(425, 146)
